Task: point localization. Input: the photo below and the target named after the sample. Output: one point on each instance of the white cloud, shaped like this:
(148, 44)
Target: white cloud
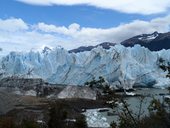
(127, 6)
(59, 29)
(114, 34)
(18, 35)
(13, 25)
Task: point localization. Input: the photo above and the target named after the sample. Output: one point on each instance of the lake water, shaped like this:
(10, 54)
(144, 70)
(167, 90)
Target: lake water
(134, 102)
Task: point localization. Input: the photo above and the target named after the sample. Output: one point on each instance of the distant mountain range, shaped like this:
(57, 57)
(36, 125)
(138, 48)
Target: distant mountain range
(154, 42)
(105, 45)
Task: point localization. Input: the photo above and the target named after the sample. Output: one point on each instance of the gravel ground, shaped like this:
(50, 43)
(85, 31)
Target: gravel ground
(7, 101)
(10, 101)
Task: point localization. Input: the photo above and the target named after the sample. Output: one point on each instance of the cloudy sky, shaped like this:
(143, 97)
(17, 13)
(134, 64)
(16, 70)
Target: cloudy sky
(33, 24)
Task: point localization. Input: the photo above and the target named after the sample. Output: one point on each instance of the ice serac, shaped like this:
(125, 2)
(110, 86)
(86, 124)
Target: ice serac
(120, 66)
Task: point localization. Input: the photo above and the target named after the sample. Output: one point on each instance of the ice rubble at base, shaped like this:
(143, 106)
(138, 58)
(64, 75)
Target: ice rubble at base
(95, 119)
(120, 66)
(25, 93)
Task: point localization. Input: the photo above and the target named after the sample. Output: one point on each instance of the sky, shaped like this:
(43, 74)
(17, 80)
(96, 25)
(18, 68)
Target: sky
(33, 24)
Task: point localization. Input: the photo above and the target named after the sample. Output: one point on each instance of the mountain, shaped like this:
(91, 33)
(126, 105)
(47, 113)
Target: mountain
(120, 66)
(105, 45)
(155, 41)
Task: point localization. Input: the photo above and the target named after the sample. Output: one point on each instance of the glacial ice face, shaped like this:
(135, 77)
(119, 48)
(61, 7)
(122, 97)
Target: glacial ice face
(120, 66)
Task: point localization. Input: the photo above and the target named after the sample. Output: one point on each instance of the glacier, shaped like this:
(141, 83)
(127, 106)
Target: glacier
(122, 67)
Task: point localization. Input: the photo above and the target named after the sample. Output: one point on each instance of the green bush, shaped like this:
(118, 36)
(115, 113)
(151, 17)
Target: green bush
(29, 124)
(81, 122)
(57, 116)
(7, 122)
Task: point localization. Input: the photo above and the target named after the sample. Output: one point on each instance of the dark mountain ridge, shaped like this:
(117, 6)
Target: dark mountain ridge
(105, 45)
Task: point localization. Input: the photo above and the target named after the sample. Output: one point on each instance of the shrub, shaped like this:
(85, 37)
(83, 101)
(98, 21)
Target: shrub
(81, 122)
(7, 122)
(57, 116)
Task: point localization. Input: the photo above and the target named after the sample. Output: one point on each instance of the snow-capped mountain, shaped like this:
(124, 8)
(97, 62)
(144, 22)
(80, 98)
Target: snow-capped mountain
(155, 41)
(119, 65)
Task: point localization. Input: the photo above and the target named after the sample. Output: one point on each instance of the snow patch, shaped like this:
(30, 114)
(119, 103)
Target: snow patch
(149, 37)
(30, 93)
(130, 93)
